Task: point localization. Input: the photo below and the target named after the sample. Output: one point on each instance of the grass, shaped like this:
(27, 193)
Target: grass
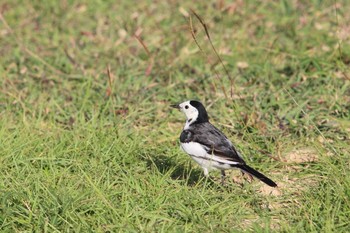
(81, 150)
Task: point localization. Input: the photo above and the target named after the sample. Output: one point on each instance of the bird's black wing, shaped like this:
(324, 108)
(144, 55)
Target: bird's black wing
(214, 140)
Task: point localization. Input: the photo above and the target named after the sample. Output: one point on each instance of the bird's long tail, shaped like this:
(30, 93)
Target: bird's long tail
(255, 173)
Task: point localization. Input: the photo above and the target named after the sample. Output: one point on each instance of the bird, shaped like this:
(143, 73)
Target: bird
(208, 146)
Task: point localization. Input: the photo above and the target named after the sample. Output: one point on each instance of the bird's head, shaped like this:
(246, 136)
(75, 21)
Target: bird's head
(194, 111)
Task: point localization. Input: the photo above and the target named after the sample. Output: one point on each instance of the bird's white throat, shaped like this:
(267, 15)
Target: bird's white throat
(188, 123)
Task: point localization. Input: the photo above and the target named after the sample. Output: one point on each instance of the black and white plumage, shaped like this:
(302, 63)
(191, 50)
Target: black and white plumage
(208, 146)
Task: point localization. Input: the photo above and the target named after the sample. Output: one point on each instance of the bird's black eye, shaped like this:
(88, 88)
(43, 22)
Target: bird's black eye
(186, 106)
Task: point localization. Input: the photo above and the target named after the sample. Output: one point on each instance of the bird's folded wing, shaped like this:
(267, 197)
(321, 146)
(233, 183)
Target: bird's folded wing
(217, 144)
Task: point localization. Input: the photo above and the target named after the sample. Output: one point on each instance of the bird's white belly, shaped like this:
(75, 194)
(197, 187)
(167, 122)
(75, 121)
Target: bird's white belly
(194, 148)
(200, 155)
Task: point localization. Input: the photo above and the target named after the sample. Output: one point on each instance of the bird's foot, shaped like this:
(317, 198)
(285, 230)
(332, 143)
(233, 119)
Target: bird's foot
(223, 177)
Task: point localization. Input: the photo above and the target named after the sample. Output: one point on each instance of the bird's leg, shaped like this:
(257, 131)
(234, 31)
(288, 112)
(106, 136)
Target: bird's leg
(206, 172)
(223, 176)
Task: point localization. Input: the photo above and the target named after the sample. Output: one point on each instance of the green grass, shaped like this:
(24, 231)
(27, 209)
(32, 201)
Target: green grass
(78, 154)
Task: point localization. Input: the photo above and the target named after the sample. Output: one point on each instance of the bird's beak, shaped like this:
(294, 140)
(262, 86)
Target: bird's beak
(177, 106)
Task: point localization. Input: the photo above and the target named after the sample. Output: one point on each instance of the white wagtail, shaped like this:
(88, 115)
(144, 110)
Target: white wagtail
(208, 146)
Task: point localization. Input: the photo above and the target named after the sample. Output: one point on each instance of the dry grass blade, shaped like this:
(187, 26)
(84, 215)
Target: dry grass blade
(109, 75)
(205, 55)
(109, 89)
(151, 58)
(138, 38)
(213, 47)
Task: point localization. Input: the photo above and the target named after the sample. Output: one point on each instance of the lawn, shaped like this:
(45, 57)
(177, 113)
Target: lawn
(88, 142)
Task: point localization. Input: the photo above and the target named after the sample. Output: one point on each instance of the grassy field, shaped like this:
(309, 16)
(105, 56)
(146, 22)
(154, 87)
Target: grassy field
(87, 150)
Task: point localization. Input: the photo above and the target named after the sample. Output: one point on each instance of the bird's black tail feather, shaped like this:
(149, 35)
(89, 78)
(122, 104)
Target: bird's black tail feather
(255, 173)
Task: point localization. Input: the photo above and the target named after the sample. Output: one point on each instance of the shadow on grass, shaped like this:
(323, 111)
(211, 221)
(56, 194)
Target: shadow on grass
(166, 165)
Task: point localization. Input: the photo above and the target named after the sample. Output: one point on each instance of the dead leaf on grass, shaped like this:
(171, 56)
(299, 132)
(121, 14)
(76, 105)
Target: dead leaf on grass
(302, 155)
(267, 190)
(242, 65)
